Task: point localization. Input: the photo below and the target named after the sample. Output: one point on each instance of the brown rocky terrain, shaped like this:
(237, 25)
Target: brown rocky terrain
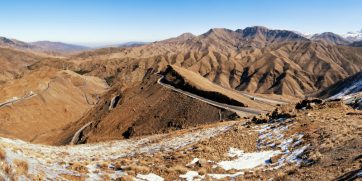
(254, 60)
(305, 146)
(35, 107)
(349, 85)
(14, 63)
(143, 110)
(187, 105)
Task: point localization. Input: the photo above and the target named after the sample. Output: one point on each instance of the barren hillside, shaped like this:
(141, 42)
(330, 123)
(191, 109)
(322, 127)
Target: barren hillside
(34, 107)
(254, 59)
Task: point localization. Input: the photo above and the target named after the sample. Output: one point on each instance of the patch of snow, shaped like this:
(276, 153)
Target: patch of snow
(248, 160)
(272, 137)
(359, 174)
(92, 173)
(233, 152)
(221, 176)
(52, 160)
(343, 94)
(192, 176)
(195, 160)
(294, 156)
(304, 34)
(148, 177)
(285, 144)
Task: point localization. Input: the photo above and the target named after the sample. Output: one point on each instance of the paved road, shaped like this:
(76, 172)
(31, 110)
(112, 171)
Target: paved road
(263, 100)
(241, 111)
(16, 99)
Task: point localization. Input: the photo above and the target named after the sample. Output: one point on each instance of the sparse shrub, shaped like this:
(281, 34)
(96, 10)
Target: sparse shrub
(202, 171)
(72, 177)
(280, 176)
(22, 167)
(126, 161)
(7, 169)
(2, 154)
(179, 169)
(103, 166)
(208, 149)
(106, 177)
(131, 173)
(78, 167)
(117, 166)
(125, 178)
(140, 169)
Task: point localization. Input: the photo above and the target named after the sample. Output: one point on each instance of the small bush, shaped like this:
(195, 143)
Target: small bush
(2, 154)
(179, 169)
(22, 167)
(78, 167)
(140, 169)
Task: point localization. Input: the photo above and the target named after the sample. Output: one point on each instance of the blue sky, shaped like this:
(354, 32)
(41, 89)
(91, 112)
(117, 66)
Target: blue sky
(95, 22)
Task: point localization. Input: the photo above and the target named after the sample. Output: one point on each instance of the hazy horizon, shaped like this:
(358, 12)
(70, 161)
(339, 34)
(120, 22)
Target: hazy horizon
(99, 23)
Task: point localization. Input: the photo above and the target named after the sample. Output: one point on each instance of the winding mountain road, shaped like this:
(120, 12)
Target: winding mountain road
(16, 99)
(241, 111)
(264, 100)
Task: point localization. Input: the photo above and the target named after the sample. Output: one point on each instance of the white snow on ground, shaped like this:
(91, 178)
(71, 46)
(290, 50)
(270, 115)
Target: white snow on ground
(50, 159)
(192, 176)
(248, 160)
(359, 174)
(195, 160)
(148, 177)
(221, 176)
(272, 136)
(355, 87)
(234, 152)
(272, 142)
(54, 161)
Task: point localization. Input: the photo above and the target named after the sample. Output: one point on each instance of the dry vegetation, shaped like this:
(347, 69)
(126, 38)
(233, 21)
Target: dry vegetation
(2, 154)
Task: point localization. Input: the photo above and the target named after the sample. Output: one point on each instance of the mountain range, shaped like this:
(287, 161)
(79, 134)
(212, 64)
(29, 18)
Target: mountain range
(55, 48)
(276, 97)
(256, 60)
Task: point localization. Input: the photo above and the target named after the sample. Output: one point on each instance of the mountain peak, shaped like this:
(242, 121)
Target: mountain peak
(186, 35)
(218, 31)
(330, 37)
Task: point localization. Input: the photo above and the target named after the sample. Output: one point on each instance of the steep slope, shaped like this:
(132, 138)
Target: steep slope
(255, 60)
(14, 63)
(342, 88)
(150, 108)
(357, 44)
(194, 83)
(260, 36)
(141, 110)
(34, 107)
(330, 37)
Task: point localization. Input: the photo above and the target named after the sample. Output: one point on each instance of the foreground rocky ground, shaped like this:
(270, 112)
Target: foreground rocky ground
(315, 142)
